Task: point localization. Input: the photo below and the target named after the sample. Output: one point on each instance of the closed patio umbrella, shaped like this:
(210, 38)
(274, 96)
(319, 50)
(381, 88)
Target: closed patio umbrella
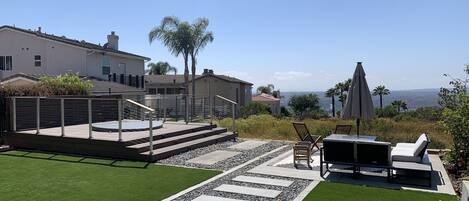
(359, 104)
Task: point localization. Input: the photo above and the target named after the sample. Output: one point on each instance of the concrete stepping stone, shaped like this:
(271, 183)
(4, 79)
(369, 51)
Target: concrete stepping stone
(213, 198)
(261, 180)
(261, 192)
(248, 145)
(213, 157)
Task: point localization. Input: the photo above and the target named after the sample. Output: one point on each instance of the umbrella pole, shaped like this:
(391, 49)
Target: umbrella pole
(358, 127)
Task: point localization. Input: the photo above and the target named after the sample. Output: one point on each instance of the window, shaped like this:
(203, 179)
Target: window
(160, 91)
(6, 63)
(37, 61)
(152, 90)
(106, 65)
(106, 70)
(171, 90)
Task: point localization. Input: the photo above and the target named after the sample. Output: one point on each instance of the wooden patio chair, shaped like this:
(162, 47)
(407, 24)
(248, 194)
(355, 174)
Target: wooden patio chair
(305, 136)
(343, 129)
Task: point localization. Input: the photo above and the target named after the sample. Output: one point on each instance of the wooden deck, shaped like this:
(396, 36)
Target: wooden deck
(173, 138)
(82, 131)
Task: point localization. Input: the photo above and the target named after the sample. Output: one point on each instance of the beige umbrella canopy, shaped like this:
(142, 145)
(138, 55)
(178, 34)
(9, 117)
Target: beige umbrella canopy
(359, 104)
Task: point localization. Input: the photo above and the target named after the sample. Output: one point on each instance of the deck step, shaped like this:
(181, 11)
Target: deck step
(168, 151)
(164, 142)
(170, 134)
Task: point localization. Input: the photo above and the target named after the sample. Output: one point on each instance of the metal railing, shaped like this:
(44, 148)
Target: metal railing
(200, 109)
(148, 112)
(233, 111)
(38, 99)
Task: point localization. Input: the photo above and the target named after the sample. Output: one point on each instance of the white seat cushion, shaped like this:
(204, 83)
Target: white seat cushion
(420, 144)
(404, 154)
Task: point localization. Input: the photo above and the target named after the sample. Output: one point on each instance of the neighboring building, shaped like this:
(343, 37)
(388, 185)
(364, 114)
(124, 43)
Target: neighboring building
(37, 53)
(271, 101)
(207, 85)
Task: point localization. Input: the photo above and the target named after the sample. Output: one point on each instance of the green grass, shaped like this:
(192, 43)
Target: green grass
(386, 129)
(329, 191)
(44, 176)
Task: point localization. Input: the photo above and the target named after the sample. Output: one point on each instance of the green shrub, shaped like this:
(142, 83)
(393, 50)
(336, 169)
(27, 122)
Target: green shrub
(68, 84)
(284, 112)
(306, 106)
(388, 111)
(254, 108)
(456, 123)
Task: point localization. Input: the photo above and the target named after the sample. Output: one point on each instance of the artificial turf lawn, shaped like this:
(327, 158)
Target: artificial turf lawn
(329, 191)
(39, 176)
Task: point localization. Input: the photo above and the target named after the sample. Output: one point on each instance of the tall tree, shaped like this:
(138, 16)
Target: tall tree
(305, 105)
(269, 89)
(331, 93)
(200, 38)
(399, 104)
(160, 68)
(178, 38)
(381, 91)
(343, 88)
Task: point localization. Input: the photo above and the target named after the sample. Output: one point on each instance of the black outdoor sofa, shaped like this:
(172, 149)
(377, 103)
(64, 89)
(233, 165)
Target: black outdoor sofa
(375, 154)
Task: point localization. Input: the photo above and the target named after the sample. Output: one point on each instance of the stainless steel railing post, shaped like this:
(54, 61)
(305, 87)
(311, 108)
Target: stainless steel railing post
(119, 117)
(38, 115)
(13, 106)
(164, 108)
(90, 119)
(234, 118)
(151, 133)
(62, 117)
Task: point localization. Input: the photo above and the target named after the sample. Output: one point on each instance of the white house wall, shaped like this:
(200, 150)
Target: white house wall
(56, 58)
(59, 58)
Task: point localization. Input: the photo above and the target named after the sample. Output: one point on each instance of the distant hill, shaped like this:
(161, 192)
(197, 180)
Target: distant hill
(414, 98)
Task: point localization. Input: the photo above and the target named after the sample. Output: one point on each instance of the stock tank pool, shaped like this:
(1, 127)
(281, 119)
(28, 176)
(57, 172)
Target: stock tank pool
(128, 125)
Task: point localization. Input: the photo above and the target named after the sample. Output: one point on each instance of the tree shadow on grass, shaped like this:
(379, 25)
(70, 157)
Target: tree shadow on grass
(71, 158)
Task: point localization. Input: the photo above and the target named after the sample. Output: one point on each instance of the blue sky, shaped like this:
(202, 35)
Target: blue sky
(296, 45)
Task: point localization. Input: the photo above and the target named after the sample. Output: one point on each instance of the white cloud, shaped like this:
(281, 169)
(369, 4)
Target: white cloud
(291, 75)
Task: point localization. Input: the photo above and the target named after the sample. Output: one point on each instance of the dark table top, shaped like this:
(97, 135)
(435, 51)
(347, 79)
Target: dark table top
(351, 137)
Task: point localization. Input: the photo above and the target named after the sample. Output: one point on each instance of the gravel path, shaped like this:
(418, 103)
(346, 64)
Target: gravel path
(288, 193)
(246, 155)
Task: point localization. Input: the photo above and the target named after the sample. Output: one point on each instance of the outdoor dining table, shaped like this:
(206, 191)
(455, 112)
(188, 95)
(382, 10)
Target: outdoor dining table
(366, 138)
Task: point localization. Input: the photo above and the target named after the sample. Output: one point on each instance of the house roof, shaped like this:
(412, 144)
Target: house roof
(179, 79)
(20, 75)
(264, 98)
(74, 42)
(103, 86)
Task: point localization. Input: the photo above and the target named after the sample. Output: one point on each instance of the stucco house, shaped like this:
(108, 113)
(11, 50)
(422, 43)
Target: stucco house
(207, 85)
(269, 100)
(34, 53)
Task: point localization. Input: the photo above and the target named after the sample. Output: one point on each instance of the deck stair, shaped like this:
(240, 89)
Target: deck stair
(170, 144)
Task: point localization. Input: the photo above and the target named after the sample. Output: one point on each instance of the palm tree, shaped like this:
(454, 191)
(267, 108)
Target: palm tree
(200, 38)
(398, 104)
(160, 68)
(343, 88)
(177, 37)
(331, 93)
(381, 91)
